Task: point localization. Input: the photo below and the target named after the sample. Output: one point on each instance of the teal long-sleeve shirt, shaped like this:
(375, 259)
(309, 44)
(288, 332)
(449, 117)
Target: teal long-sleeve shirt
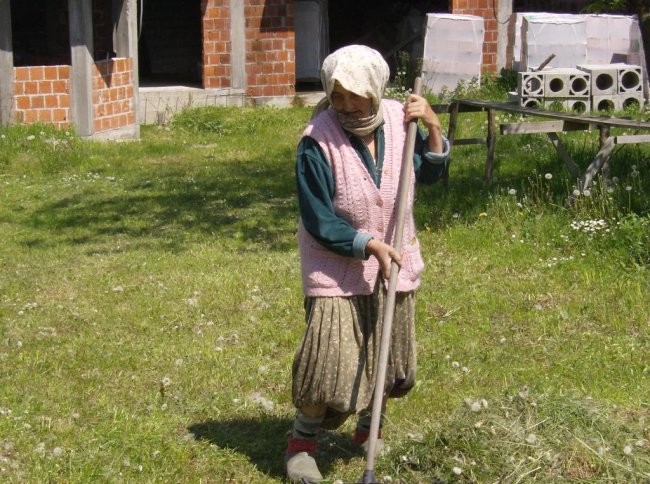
(316, 188)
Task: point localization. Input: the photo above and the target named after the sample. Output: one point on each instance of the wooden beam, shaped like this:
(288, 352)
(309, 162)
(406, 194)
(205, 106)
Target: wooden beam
(542, 127)
(630, 139)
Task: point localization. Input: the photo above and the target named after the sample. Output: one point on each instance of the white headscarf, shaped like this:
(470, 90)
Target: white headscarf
(363, 71)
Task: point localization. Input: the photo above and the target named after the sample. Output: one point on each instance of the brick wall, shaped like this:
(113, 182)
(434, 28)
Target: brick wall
(217, 65)
(113, 94)
(42, 95)
(270, 46)
(488, 10)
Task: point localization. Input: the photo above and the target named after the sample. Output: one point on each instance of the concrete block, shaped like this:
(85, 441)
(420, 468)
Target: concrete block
(578, 104)
(605, 102)
(531, 102)
(604, 78)
(630, 79)
(631, 100)
(556, 84)
(530, 84)
(555, 103)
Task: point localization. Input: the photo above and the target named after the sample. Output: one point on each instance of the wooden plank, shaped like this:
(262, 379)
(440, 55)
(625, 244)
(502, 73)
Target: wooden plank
(630, 139)
(578, 118)
(491, 144)
(542, 127)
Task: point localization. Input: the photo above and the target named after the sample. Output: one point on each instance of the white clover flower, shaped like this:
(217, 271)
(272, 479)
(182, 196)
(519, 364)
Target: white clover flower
(165, 382)
(512, 191)
(548, 176)
(576, 193)
(586, 192)
(628, 188)
(457, 470)
(627, 450)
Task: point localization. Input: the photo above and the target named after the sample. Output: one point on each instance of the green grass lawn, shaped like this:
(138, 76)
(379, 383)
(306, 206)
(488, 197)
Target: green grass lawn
(150, 305)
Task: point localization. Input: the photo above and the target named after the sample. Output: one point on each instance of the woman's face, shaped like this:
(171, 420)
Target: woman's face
(348, 103)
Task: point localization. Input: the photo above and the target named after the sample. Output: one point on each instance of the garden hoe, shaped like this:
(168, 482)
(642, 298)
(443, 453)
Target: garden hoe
(389, 306)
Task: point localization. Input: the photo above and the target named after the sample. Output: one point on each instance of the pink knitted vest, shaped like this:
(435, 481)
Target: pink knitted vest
(369, 209)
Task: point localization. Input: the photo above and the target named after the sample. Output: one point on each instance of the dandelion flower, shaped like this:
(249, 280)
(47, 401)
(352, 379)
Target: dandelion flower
(548, 176)
(586, 193)
(576, 193)
(628, 188)
(512, 191)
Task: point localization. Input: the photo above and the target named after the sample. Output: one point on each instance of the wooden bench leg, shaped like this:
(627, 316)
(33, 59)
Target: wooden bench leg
(602, 157)
(604, 136)
(491, 144)
(570, 164)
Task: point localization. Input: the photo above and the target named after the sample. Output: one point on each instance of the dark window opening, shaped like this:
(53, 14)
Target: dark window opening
(40, 32)
(169, 45)
(394, 28)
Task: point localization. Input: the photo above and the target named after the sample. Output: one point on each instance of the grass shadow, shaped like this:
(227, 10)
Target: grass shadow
(264, 441)
(258, 211)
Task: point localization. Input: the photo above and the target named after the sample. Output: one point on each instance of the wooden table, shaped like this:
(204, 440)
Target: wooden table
(558, 122)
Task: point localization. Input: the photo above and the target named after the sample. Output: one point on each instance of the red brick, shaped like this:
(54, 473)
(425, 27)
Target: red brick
(22, 102)
(36, 102)
(21, 73)
(44, 115)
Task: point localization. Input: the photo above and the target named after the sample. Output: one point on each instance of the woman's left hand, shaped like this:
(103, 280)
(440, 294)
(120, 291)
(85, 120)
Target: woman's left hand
(417, 107)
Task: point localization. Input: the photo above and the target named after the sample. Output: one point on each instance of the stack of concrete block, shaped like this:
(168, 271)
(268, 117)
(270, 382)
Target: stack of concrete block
(614, 86)
(588, 87)
(609, 39)
(561, 88)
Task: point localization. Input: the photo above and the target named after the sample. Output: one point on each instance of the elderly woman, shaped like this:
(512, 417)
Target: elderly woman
(348, 167)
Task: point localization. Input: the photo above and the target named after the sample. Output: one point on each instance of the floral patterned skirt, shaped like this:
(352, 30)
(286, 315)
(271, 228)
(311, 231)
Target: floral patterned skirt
(336, 361)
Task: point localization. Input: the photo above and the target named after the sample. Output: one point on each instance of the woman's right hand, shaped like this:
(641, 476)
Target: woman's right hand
(385, 254)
